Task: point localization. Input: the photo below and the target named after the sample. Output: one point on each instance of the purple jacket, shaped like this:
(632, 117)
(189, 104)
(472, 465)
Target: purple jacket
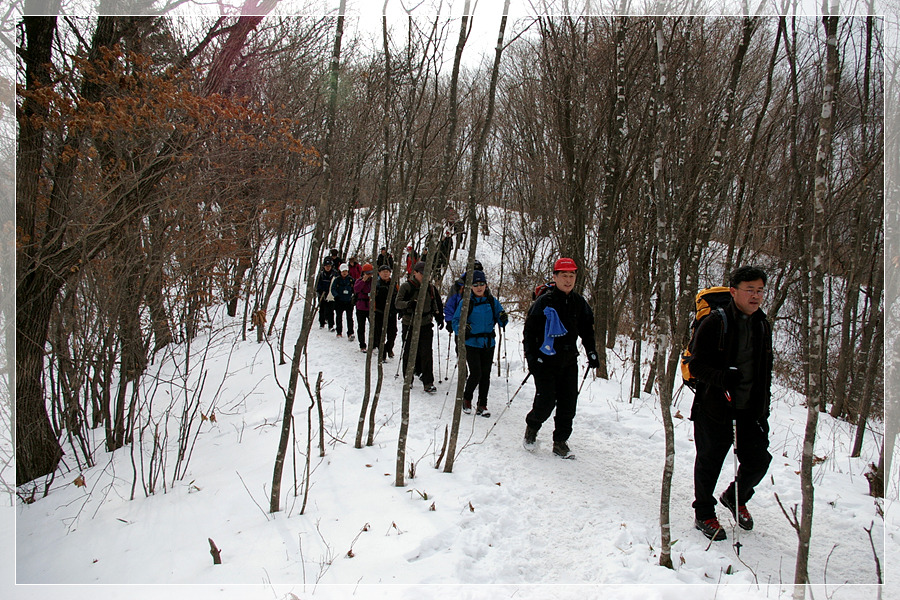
(362, 287)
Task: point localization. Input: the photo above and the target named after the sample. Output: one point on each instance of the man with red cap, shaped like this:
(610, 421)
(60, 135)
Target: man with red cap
(555, 321)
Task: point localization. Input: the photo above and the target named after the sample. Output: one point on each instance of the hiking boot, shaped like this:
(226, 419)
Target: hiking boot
(340, 335)
(743, 515)
(481, 411)
(711, 529)
(467, 407)
(530, 436)
(430, 389)
(351, 337)
(390, 354)
(561, 449)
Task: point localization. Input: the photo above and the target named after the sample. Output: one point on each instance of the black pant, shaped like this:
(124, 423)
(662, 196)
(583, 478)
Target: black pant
(362, 316)
(479, 361)
(326, 313)
(424, 361)
(343, 308)
(556, 386)
(391, 334)
(713, 441)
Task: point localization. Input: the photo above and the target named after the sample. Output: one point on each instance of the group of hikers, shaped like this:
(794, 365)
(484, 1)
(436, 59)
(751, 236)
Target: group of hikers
(731, 360)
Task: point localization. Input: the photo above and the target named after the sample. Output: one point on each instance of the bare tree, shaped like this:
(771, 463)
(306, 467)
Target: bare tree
(817, 309)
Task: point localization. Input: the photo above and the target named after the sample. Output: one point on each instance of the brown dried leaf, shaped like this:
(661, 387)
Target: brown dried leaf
(79, 481)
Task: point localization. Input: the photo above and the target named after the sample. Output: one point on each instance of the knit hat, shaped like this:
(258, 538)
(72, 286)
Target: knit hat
(327, 262)
(478, 277)
(384, 267)
(420, 266)
(344, 267)
(367, 268)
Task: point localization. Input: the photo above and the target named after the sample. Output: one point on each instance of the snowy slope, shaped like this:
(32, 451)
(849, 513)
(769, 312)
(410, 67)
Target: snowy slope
(506, 523)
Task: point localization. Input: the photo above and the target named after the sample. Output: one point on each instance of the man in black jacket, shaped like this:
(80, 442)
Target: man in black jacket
(554, 323)
(407, 298)
(732, 360)
(382, 289)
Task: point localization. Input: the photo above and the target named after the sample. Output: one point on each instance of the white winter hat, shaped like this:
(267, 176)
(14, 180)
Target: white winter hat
(344, 267)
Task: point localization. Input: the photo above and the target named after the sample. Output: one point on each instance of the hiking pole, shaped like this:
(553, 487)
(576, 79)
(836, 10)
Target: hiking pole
(439, 359)
(583, 379)
(449, 341)
(521, 385)
(737, 510)
(402, 352)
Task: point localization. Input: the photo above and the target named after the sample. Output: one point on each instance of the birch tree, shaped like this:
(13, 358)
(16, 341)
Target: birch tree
(816, 270)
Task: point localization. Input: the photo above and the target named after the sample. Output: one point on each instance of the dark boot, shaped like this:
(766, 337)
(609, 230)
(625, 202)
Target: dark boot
(744, 520)
(711, 529)
(561, 449)
(530, 436)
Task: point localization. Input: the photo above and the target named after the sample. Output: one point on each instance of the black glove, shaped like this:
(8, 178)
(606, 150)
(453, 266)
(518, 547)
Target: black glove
(593, 360)
(535, 363)
(732, 379)
(440, 323)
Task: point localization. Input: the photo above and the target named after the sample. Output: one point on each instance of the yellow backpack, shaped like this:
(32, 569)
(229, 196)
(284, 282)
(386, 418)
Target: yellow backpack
(708, 300)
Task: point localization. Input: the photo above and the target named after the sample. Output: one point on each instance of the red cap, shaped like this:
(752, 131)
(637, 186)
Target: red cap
(367, 268)
(564, 264)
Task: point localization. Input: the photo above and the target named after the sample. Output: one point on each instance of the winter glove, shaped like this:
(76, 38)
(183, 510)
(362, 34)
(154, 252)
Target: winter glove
(732, 378)
(536, 364)
(593, 360)
(440, 323)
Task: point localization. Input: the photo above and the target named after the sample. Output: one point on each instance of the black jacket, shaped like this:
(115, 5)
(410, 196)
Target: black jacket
(576, 316)
(381, 293)
(405, 303)
(714, 352)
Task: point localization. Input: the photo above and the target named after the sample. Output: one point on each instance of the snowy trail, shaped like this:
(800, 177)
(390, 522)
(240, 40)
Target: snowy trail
(505, 516)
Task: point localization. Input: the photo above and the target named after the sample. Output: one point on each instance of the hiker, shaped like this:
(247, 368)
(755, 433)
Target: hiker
(382, 287)
(384, 258)
(455, 297)
(326, 300)
(362, 287)
(485, 312)
(354, 268)
(443, 256)
(732, 356)
(553, 325)
(335, 257)
(342, 290)
(407, 298)
(412, 258)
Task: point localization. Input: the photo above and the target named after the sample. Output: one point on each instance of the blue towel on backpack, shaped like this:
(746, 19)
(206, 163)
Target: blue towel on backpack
(553, 328)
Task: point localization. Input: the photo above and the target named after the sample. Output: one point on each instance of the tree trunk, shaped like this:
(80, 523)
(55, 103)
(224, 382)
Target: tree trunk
(817, 307)
(311, 271)
(665, 278)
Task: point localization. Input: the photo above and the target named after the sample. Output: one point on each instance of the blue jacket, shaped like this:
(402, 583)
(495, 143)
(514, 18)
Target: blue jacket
(484, 314)
(323, 283)
(342, 289)
(450, 306)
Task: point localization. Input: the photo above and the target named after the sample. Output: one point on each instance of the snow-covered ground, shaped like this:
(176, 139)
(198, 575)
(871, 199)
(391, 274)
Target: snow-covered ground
(505, 523)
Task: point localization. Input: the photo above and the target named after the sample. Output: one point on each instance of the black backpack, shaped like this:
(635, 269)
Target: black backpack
(709, 300)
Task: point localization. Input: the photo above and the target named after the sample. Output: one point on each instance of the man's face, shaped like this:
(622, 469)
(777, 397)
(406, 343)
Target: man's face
(748, 295)
(479, 288)
(564, 280)
(419, 276)
(327, 267)
(385, 275)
